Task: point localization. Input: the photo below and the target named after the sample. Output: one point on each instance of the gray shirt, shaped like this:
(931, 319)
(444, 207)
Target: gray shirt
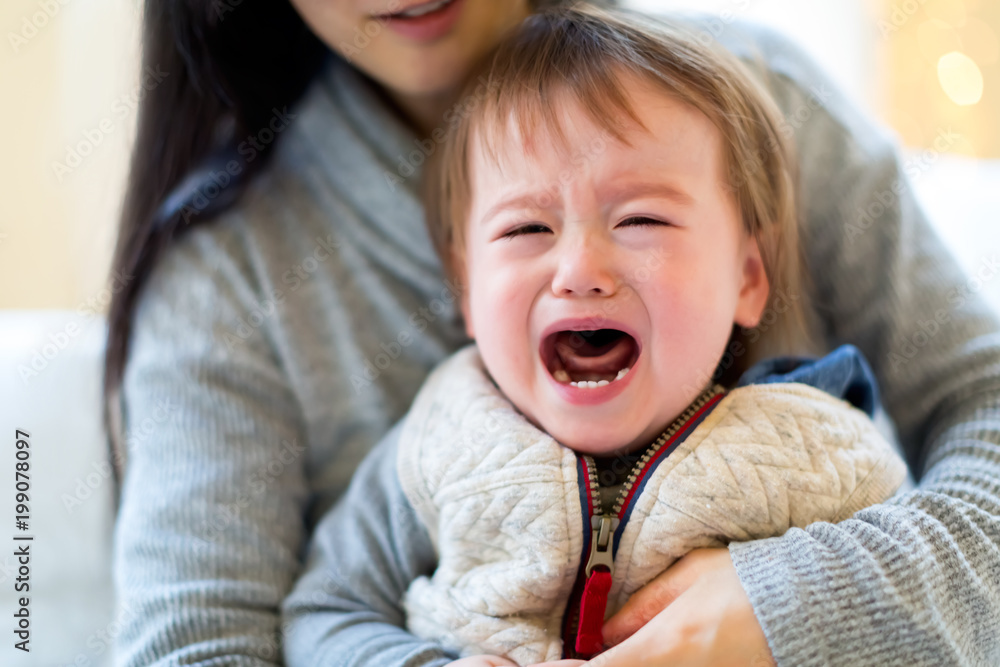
(295, 330)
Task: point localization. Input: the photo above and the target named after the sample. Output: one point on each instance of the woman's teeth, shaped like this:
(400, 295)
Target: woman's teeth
(426, 8)
(562, 376)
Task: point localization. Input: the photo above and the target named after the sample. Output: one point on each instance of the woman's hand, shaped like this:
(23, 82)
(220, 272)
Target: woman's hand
(694, 614)
(496, 661)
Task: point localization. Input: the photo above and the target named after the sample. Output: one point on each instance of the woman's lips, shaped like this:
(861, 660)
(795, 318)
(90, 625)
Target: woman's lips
(427, 26)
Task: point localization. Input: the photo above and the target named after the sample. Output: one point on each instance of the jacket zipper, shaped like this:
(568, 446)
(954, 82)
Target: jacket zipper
(588, 600)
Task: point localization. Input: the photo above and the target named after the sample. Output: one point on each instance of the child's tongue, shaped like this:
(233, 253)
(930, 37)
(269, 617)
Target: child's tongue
(604, 353)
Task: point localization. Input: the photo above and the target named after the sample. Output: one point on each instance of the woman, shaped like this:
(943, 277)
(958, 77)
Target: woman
(286, 305)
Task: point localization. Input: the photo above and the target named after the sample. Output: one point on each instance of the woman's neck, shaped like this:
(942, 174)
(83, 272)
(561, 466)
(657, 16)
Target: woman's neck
(424, 113)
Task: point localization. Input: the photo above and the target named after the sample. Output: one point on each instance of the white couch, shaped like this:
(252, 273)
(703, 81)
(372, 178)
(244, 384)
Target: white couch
(72, 617)
(57, 402)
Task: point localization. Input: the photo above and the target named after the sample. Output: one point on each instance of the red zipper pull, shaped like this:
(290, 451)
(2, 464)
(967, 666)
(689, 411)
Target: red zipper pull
(594, 602)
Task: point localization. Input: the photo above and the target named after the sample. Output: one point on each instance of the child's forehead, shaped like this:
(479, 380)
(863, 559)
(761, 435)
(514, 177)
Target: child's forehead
(574, 129)
(526, 123)
(519, 145)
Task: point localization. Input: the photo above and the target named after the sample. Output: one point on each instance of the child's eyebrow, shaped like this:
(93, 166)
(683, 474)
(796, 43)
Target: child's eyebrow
(633, 189)
(525, 201)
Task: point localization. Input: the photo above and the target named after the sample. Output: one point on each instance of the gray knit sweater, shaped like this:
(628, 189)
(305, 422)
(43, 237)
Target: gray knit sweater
(295, 330)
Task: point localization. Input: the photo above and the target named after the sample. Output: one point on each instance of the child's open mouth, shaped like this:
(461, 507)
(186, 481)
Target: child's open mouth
(590, 358)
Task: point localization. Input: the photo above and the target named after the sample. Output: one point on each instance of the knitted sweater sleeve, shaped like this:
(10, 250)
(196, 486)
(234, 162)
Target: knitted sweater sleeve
(346, 609)
(211, 521)
(915, 580)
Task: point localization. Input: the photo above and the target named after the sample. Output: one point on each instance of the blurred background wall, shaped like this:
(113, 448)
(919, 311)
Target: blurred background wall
(70, 82)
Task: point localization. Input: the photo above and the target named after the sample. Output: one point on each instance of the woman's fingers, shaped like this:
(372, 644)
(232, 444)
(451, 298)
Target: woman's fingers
(640, 649)
(657, 595)
(646, 603)
(710, 624)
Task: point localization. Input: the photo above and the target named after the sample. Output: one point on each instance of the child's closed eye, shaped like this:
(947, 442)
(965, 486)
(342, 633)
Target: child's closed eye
(530, 228)
(642, 221)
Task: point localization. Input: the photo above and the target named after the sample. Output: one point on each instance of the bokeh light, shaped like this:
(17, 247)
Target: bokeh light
(960, 78)
(942, 69)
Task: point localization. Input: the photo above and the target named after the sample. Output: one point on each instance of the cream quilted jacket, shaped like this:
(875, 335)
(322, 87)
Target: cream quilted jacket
(516, 519)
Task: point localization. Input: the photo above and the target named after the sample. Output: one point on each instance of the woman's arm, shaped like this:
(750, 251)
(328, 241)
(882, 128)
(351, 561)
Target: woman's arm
(347, 607)
(211, 522)
(916, 580)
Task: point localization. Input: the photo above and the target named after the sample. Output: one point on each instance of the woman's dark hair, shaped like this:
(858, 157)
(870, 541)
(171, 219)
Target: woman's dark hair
(223, 66)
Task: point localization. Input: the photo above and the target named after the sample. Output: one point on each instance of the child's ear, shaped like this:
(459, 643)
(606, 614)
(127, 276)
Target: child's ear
(755, 287)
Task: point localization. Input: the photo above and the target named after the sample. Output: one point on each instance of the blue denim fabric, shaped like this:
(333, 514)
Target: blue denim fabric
(843, 373)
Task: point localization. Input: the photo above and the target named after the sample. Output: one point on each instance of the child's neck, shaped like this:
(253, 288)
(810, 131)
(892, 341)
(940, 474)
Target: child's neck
(614, 468)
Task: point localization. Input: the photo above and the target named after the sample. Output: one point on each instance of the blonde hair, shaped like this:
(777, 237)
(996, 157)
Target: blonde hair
(585, 51)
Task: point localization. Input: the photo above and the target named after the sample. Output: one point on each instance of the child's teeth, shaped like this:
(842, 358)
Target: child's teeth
(563, 376)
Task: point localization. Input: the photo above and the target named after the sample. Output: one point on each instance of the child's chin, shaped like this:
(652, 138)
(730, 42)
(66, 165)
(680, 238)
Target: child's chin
(588, 441)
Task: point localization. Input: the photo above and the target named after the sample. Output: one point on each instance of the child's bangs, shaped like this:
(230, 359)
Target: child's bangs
(533, 78)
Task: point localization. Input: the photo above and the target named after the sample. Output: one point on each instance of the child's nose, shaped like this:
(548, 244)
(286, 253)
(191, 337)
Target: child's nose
(584, 269)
